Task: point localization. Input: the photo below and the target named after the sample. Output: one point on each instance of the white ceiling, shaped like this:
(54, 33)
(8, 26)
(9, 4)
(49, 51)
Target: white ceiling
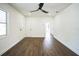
(25, 8)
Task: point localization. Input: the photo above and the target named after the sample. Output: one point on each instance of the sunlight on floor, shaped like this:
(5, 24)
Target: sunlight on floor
(47, 41)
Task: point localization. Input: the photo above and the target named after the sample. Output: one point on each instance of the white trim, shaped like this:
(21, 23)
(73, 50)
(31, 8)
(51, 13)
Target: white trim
(3, 36)
(10, 47)
(65, 45)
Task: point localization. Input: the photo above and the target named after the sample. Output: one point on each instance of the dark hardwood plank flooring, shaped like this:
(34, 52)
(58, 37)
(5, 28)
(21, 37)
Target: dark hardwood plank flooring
(35, 47)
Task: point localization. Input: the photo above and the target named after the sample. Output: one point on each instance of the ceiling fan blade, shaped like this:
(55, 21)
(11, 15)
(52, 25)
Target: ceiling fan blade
(44, 11)
(35, 10)
(40, 7)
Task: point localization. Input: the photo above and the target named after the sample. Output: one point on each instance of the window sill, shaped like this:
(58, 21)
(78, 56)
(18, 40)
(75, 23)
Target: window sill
(3, 37)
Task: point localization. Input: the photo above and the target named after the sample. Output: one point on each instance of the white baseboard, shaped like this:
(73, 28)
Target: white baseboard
(66, 45)
(9, 47)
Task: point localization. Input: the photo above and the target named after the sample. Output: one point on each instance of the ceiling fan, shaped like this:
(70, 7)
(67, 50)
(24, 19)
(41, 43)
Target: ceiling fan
(40, 8)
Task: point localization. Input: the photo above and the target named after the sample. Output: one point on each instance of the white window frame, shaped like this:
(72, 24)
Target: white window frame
(5, 35)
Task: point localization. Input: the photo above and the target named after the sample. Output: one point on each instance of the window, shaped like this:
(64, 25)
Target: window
(3, 23)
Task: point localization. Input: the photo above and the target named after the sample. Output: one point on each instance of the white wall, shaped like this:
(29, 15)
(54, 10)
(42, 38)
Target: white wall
(15, 21)
(35, 26)
(66, 27)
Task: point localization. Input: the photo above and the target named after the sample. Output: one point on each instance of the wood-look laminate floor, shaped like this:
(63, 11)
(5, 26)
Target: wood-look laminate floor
(35, 47)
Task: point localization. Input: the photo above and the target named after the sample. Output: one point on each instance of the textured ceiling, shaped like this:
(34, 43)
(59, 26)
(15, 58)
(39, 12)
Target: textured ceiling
(25, 8)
